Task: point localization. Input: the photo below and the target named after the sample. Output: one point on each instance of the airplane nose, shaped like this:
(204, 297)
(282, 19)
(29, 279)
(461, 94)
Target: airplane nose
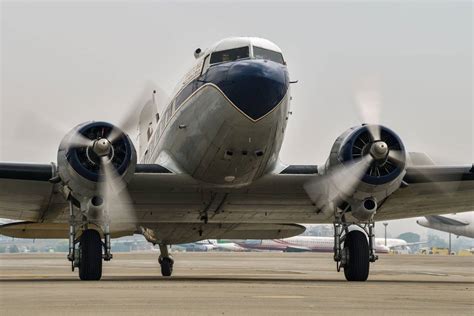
(255, 86)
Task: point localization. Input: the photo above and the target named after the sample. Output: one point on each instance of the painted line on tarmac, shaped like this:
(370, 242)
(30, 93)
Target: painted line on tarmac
(281, 296)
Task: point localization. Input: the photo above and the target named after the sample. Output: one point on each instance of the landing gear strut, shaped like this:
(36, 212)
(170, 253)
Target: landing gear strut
(165, 261)
(85, 252)
(353, 250)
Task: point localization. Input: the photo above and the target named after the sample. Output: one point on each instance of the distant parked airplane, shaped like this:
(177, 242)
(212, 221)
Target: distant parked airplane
(318, 244)
(457, 224)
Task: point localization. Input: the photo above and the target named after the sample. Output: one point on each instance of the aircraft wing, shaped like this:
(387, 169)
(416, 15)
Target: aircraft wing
(167, 203)
(294, 248)
(431, 190)
(160, 196)
(425, 191)
(416, 243)
(446, 220)
(290, 247)
(25, 193)
(408, 244)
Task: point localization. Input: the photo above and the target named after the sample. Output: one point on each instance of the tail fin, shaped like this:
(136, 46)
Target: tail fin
(149, 117)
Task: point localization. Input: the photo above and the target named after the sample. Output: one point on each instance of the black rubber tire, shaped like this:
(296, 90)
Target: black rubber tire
(90, 265)
(357, 267)
(166, 266)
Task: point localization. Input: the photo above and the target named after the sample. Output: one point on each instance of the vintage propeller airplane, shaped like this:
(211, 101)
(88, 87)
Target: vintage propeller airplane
(209, 168)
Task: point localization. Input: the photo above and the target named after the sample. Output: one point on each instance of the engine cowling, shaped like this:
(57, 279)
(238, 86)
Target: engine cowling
(80, 154)
(383, 174)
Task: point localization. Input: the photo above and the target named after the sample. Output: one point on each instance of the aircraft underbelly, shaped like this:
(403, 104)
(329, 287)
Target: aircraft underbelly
(188, 208)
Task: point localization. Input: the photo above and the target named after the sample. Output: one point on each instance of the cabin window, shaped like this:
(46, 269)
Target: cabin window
(167, 115)
(149, 131)
(173, 106)
(230, 55)
(161, 127)
(262, 53)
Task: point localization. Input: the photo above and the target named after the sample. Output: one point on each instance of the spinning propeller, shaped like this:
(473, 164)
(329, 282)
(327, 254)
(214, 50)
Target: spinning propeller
(103, 158)
(371, 153)
(106, 163)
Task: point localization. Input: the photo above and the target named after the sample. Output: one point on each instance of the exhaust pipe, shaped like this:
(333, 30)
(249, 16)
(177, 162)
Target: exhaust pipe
(365, 210)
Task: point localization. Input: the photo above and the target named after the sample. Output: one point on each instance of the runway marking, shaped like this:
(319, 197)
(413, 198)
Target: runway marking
(281, 296)
(432, 273)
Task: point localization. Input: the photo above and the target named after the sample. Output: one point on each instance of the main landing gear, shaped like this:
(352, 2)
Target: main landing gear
(90, 255)
(88, 251)
(166, 261)
(353, 250)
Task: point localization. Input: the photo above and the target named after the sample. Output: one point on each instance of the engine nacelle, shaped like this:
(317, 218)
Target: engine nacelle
(80, 154)
(383, 174)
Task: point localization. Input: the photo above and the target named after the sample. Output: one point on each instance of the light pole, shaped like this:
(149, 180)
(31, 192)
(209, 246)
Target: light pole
(449, 248)
(385, 224)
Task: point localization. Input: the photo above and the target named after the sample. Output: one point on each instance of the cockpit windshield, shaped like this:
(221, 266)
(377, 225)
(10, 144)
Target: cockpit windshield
(262, 53)
(230, 55)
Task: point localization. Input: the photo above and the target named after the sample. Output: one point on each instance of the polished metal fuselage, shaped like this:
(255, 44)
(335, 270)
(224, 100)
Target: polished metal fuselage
(205, 133)
(211, 140)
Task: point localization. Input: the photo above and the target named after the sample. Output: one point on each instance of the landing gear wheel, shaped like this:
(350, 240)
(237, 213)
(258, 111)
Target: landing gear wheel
(356, 250)
(90, 255)
(166, 266)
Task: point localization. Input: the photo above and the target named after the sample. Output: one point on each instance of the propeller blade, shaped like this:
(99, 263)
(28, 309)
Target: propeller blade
(113, 189)
(79, 140)
(130, 119)
(396, 156)
(114, 135)
(346, 178)
(341, 180)
(76, 140)
(368, 101)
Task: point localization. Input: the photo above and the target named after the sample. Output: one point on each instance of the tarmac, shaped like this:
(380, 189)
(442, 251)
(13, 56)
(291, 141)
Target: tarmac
(219, 283)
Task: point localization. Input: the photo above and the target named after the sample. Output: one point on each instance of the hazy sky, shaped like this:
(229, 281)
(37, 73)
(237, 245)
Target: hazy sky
(63, 63)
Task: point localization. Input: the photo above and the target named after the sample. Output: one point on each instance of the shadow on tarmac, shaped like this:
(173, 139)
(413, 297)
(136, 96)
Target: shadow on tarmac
(218, 279)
